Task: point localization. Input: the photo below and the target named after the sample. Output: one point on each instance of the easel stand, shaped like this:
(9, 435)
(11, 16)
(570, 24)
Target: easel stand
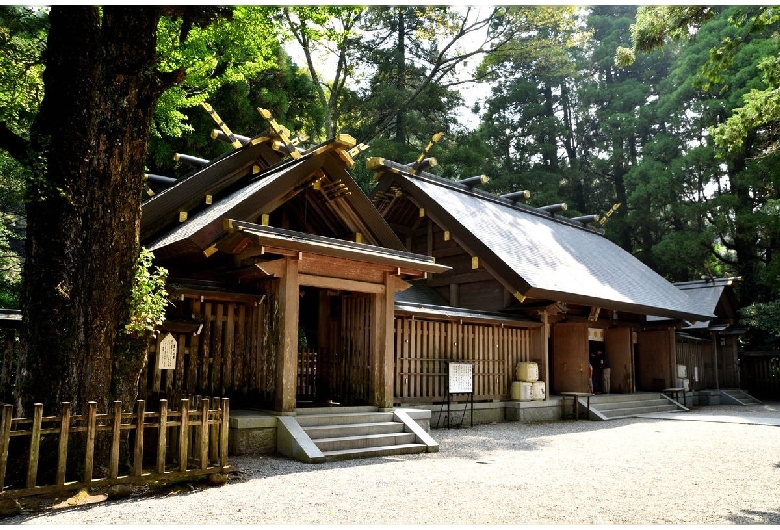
(460, 380)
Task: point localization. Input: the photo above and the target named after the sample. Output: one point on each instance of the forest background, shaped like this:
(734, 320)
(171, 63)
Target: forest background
(670, 112)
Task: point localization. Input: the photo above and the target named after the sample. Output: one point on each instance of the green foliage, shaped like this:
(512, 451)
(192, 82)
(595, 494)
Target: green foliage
(22, 41)
(149, 297)
(226, 51)
(763, 316)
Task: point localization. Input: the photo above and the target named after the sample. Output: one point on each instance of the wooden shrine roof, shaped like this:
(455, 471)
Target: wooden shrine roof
(541, 255)
(319, 175)
(715, 295)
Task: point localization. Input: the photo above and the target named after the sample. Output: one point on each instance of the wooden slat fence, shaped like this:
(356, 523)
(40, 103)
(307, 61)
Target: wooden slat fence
(190, 442)
(423, 348)
(307, 374)
(760, 376)
(233, 354)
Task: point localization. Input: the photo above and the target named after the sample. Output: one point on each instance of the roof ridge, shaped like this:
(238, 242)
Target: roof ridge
(480, 194)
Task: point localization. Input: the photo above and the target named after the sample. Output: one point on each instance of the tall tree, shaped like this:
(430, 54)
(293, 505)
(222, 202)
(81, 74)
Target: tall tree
(531, 117)
(739, 81)
(105, 73)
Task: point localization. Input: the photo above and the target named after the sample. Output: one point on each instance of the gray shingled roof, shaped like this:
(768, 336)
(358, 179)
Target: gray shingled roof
(555, 260)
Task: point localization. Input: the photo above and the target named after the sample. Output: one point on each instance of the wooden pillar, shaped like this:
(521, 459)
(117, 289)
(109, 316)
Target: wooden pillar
(715, 347)
(545, 332)
(287, 354)
(382, 367)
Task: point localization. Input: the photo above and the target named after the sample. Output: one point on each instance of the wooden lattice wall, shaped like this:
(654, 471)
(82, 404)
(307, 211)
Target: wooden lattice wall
(423, 348)
(232, 355)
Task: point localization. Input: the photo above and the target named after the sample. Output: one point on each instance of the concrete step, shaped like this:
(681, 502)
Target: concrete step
(372, 452)
(316, 432)
(633, 411)
(614, 406)
(611, 398)
(340, 443)
(738, 397)
(623, 404)
(343, 418)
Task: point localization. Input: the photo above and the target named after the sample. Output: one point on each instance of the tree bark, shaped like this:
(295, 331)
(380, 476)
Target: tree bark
(89, 142)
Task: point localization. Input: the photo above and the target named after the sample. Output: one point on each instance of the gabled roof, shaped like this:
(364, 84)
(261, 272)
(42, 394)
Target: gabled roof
(540, 255)
(715, 295)
(319, 175)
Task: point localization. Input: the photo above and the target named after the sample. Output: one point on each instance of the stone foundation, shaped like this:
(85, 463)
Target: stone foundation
(251, 433)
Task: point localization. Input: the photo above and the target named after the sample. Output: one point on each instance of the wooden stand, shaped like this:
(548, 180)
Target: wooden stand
(674, 393)
(575, 406)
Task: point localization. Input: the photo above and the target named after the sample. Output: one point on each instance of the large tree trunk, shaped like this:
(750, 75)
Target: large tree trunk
(83, 211)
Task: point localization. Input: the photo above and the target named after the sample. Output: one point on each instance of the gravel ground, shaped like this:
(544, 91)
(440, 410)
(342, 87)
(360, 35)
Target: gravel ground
(627, 471)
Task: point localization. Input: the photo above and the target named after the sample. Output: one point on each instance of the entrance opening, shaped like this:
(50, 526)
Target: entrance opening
(334, 347)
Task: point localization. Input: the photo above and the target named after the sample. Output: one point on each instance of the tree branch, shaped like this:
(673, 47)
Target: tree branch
(16, 146)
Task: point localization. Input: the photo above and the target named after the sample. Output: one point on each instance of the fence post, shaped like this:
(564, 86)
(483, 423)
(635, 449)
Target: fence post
(138, 458)
(113, 464)
(35, 439)
(90, 449)
(184, 434)
(223, 445)
(161, 436)
(62, 456)
(204, 433)
(214, 432)
(5, 438)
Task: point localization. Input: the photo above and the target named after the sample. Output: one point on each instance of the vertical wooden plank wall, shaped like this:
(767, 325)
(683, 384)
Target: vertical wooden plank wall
(233, 355)
(690, 354)
(423, 348)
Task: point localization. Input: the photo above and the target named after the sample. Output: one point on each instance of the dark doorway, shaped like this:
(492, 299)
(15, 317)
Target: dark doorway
(335, 345)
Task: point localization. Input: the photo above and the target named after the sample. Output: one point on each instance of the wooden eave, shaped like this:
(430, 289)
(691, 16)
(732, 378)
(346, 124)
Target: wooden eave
(279, 241)
(499, 270)
(431, 312)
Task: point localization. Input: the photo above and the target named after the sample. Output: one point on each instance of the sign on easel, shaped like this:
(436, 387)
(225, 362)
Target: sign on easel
(461, 378)
(166, 353)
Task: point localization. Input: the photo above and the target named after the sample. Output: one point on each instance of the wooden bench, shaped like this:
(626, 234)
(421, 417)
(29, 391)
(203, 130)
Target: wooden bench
(575, 406)
(674, 393)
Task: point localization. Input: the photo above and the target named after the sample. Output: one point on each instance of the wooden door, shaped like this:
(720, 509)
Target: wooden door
(355, 349)
(619, 351)
(570, 358)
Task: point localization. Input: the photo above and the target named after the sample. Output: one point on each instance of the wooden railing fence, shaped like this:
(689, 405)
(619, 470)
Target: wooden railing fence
(190, 442)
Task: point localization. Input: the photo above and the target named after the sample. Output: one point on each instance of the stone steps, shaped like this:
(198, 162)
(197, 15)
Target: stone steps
(350, 433)
(614, 406)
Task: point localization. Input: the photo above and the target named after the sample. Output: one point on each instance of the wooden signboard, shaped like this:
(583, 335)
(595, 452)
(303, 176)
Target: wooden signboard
(166, 353)
(460, 378)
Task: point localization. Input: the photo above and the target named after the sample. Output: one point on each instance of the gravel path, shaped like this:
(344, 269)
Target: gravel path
(628, 471)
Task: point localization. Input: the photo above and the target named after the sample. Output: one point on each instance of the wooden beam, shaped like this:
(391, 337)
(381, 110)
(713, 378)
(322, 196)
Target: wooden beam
(276, 268)
(340, 284)
(442, 280)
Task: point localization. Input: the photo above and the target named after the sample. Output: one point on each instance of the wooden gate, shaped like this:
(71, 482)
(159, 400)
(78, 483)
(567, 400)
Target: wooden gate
(350, 351)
